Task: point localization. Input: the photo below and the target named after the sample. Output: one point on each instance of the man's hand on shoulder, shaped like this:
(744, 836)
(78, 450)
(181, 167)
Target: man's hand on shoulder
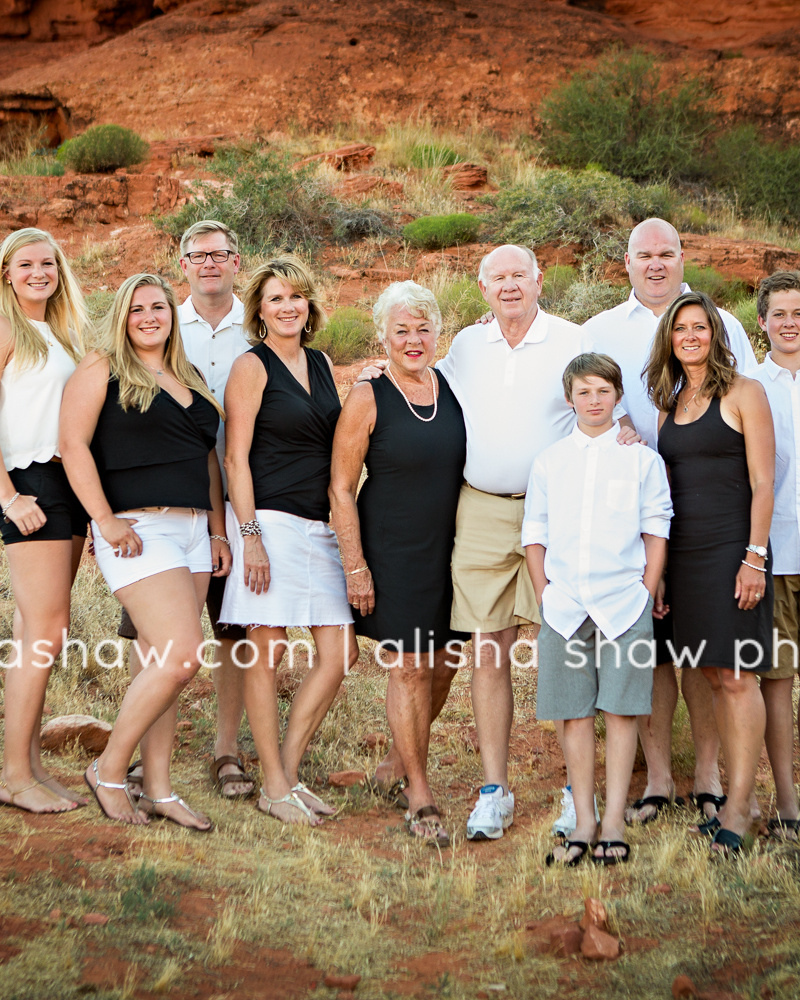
(486, 318)
(629, 435)
(375, 370)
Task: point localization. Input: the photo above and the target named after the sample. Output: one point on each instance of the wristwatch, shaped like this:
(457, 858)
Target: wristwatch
(758, 550)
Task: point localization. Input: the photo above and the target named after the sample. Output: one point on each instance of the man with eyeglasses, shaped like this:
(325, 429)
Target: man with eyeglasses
(211, 327)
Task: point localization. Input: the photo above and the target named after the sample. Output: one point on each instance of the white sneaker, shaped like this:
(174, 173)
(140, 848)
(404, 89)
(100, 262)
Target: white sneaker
(493, 813)
(565, 825)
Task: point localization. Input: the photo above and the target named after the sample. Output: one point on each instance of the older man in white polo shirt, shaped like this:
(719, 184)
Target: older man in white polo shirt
(654, 263)
(211, 328)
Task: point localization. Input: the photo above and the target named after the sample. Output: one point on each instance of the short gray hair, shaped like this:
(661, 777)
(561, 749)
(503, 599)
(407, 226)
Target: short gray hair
(505, 246)
(203, 228)
(418, 300)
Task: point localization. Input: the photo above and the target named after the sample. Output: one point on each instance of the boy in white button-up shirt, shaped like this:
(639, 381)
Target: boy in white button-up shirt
(779, 317)
(596, 521)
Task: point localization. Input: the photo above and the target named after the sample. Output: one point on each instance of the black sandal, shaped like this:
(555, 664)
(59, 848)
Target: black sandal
(777, 829)
(582, 846)
(611, 859)
(708, 799)
(730, 843)
(710, 827)
(658, 802)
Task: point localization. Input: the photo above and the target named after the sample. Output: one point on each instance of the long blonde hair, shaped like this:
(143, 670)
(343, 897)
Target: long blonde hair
(137, 384)
(65, 312)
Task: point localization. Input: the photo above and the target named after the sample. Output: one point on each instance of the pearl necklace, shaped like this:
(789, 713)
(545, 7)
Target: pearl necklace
(410, 405)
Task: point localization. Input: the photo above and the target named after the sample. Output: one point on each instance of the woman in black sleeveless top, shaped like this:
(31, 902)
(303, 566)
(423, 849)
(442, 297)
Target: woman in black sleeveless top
(397, 540)
(282, 409)
(138, 436)
(716, 437)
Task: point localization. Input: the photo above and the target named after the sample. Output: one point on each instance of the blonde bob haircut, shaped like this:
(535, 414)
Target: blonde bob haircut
(137, 384)
(663, 372)
(65, 312)
(419, 301)
(294, 272)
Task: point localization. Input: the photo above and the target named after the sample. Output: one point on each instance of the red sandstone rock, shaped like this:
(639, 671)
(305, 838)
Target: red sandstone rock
(353, 157)
(464, 176)
(357, 187)
(448, 760)
(373, 740)
(91, 733)
(662, 889)
(336, 981)
(566, 940)
(345, 273)
(54, 915)
(388, 273)
(345, 779)
(470, 738)
(98, 919)
(597, 944)
(682, 986)
(594, 913)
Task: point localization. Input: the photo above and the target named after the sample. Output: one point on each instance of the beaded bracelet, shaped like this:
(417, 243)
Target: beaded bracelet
(220, 538)
(250, 528)
(361, 569)
(12, 500)
(761, 569)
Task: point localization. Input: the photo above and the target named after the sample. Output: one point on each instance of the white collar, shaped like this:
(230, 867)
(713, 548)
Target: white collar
(535, 334)
(189, 314)
(581, 440)
(633, 303)
(776, 371)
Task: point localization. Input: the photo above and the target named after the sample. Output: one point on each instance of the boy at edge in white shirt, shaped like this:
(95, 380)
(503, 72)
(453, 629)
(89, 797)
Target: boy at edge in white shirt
(596, 522)
(779, 318)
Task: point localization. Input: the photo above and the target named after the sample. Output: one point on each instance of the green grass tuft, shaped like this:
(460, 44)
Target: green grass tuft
(103, 148)
(434, 232)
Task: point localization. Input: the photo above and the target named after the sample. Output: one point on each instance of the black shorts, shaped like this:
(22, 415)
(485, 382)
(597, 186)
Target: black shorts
(48, 482)
(216, 588)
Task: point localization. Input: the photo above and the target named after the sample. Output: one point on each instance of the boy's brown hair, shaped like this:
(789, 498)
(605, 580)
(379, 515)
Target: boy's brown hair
(780, 281)
(586, 365)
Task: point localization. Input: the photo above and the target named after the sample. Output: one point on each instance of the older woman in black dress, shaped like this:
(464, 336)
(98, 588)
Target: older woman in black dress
(716, 436)
(396, 541)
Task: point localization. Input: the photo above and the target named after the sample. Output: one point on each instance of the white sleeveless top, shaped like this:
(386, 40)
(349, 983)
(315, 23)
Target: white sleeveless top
(30, 401)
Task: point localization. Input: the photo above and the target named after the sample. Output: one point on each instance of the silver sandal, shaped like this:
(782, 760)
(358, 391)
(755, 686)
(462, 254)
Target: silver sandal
(108, 784)
(290, 799)
(174, 797)
(300, 787)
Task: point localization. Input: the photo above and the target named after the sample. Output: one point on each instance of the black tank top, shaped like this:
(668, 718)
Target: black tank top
(155, 458)
(290, 457)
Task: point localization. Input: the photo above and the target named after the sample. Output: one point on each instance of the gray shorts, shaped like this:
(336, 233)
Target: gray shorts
(588, 674)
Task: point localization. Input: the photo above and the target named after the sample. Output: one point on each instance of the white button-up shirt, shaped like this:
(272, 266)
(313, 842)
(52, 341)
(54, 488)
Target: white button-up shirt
(783, 393)
(213, 352)
(512, 398)
(589, 502)
(626, 334)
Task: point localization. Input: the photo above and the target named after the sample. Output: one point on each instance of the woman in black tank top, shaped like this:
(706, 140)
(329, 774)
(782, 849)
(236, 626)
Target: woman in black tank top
(716, 437)
(138, 437)
(282, 410)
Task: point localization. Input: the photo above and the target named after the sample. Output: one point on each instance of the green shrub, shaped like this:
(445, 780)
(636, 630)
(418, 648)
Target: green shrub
(709, 280)
(617, 114)
(557, 281)
(348, 336)
(102, 148)
(591, 207)
(425, 155)
(140, 900)
(461, 303)
(270, 205)
(434, 232)
(762, 176)
(584, 299)
(746, 311)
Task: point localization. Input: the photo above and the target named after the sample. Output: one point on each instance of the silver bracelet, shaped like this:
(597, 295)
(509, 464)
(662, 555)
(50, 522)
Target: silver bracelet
(361, 569)
(250, 528)
(761, 569)
(12, 500)
(220, 538)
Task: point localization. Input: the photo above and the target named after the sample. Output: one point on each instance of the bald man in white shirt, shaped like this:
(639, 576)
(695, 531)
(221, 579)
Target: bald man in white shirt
(654, 263)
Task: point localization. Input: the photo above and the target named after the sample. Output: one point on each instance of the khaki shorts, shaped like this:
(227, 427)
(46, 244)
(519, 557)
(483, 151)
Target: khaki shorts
(786, 622)
(492, 589)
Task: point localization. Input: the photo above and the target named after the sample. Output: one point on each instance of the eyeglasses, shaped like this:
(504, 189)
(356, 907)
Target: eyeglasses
(218, 256)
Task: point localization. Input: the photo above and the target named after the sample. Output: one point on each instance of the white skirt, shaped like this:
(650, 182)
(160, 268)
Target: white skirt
(307, 586)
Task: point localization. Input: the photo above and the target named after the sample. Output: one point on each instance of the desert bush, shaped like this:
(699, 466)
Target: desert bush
(619, 115)
(586, 298)
(722, 290)
(430, 154)
(590, 207)
(35, 165)
(348, 336)
(762, 176)
(271, 205)
(460, 301)
(24, 154)
(557, 282)
(746, 311)
(434, 232)
(102, 148)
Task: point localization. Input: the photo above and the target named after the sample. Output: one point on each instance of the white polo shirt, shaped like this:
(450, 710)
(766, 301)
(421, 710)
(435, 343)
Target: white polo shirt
(589, 502)
(213, 352)
(512, 398)
(626, 334)
(783, 393)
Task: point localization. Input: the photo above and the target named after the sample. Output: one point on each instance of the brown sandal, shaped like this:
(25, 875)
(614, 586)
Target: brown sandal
(426, 824)
(219, 781)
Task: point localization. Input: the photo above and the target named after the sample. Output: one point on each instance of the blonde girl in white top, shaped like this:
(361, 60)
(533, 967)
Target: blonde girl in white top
(43, 526)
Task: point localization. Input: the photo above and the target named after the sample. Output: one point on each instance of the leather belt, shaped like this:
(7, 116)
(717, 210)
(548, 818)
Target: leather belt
(504, 496)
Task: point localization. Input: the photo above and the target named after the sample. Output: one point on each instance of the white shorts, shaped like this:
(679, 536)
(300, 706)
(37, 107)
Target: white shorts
(307, 586)
(172, 537)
